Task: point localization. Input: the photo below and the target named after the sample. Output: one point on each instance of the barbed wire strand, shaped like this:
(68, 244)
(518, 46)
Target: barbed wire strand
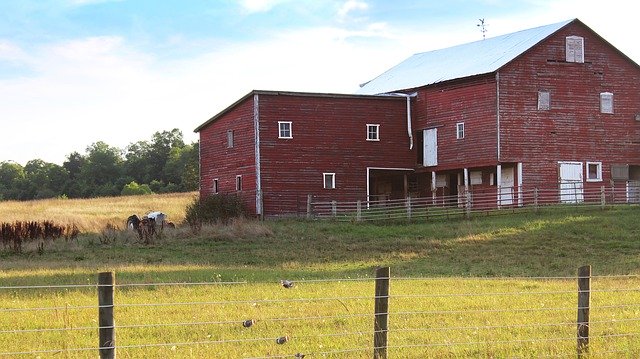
(121, 285)
(285, 300)
(239, 321)
(513, 310)
(485, 294)
(535, 325)
(350, 350)
(274, 338)
(216, 283)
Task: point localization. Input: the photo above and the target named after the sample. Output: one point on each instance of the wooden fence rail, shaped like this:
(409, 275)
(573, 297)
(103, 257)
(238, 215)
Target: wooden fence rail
(468, 202)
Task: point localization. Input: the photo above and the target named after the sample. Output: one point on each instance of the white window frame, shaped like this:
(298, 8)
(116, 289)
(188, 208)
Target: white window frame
(544, 100)
(475, 177)
(574, 49)
(230, 138)
(373, 132)
(216, 186)
(239, 183)
(606, 102)
(325, 176)
(459, 130)
(598, 174)
(283, 128)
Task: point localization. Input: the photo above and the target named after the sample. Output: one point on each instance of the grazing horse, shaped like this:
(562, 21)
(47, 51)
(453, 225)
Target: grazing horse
(133, 222)
(147, 229)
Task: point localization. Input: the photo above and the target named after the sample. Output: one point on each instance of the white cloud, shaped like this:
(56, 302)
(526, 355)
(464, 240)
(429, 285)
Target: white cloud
(350, 6)
(253, 6)
(89, 2)
(11, 52)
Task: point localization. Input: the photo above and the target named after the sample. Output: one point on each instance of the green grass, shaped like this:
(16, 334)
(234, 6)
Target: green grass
(440, 304)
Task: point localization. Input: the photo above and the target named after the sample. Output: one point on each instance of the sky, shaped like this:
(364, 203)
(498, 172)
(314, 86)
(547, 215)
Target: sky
(75, 72)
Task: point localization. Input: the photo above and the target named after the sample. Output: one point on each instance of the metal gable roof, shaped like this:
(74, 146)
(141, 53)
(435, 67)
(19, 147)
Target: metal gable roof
(475, 58)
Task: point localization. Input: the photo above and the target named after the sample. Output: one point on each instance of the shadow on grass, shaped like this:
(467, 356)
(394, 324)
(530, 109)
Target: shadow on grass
(549, 243)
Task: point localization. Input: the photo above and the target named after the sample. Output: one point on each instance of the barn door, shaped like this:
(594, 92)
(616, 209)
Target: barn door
(430, 143)
(571, 182)
(506, 186)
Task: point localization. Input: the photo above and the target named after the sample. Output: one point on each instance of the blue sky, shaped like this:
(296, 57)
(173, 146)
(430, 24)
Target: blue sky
(73, 72)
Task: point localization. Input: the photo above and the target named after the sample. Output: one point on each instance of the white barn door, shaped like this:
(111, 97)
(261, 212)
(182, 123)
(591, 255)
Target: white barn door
(506, 186)
(430, 143)
(571, 182)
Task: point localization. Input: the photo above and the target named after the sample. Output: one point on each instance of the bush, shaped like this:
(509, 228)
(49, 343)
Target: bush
(134, 189)
(213, 209)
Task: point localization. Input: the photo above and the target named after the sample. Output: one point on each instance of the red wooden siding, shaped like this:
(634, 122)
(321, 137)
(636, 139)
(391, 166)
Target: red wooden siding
(329, 135)
(473, 102)
(573, 129)
(218, 161)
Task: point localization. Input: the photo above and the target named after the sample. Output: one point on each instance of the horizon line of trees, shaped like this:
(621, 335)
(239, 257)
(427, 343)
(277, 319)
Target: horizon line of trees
(165, 164)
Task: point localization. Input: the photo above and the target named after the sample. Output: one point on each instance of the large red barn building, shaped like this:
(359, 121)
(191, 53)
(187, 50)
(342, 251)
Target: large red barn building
(555, 105)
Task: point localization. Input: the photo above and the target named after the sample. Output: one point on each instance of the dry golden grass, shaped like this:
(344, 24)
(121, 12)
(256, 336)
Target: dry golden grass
(92, 215)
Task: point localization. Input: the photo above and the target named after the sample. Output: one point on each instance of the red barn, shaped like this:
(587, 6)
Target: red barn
(551, 107)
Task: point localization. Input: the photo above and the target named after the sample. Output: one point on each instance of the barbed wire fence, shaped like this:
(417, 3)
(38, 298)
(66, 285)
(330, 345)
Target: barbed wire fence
(380, 317)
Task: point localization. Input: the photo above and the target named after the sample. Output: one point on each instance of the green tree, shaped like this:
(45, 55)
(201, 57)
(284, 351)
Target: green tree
(134, 189)
(161, 145)
(103, 168)
(11, 173)
(43, 180)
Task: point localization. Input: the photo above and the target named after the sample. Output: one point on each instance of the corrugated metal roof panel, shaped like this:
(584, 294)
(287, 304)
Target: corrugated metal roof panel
(475, 58)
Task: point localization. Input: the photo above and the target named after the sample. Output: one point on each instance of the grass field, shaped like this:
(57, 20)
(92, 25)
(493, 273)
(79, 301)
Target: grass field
(457, 290)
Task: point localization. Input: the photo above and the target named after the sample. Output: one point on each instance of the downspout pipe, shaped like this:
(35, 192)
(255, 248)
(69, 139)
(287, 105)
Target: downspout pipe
(409, 129)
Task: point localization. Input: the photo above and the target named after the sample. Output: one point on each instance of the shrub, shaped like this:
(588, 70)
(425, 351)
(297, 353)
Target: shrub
(214, 209)
(133, 189)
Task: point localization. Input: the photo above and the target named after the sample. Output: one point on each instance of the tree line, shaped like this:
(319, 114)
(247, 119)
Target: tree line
(162, 165)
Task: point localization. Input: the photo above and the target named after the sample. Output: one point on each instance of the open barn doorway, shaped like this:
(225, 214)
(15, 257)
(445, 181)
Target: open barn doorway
(391, 183)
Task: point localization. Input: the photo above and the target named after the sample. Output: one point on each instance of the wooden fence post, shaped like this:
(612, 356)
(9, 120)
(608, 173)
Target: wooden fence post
(381, 321)
(467, 204)
(334, 208)
(359, 211)
(603, 200)
(535, 199)
(309, 199)
(584, 301)
(408, 206)
(106, 324)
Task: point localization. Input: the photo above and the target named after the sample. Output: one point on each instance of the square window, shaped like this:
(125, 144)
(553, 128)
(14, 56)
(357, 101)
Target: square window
(460, 130)
(229, 138)
(475, 177)
(594, 171)
(373, 132)
(329, 180)
(239, 183)
(216, 187)
(606, 102)
(284, 129)
(544, 100)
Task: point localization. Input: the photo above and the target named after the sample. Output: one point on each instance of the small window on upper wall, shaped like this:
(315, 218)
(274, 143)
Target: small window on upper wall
(594, 171)
(216, 187)
(575, 49)
(229, 138)
(239, 183)
(606, 102)
(544, 100)
(329, 180)
(373, 132)
(284, 129)
(460, 130)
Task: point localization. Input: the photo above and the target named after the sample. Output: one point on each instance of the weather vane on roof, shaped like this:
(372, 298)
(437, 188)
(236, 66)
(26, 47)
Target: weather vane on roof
(483, 27)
